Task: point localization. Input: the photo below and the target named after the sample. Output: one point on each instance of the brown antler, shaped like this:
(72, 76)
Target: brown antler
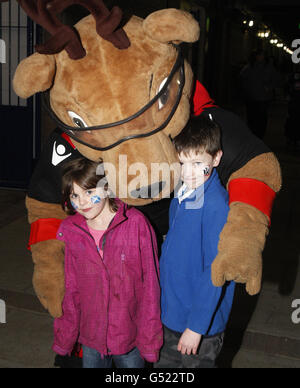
(63, 37)
(107, 22)
(44, 12)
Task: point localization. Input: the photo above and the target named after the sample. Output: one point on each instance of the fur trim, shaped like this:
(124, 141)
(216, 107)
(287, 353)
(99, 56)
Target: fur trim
(265, 168)
(37, 210)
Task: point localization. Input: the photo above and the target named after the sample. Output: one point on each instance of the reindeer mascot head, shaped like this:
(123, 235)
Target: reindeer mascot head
(140, 67)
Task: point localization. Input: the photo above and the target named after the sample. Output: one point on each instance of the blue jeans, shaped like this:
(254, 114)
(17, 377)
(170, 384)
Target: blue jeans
(92, 359)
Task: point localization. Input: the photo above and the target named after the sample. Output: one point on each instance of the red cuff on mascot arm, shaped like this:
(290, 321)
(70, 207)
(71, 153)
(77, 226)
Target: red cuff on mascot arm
(254, 193)
(43, 230)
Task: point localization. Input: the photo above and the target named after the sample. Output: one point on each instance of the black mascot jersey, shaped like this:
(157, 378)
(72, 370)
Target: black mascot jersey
(45, 184)
(238, 143)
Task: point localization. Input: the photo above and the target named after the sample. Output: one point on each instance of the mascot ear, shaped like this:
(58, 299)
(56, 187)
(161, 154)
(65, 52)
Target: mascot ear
(171, 25)
(34, 74)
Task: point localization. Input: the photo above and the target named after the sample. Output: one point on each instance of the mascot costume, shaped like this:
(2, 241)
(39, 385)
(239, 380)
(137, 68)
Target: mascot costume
(120, 91)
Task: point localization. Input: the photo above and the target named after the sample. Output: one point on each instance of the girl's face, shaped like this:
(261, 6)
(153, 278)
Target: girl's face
(89, 203)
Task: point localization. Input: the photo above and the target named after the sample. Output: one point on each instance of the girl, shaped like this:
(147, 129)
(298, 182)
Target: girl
(112, 297)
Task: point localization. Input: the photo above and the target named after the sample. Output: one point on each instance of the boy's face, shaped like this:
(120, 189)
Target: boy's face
(197, 167)
(88, 203)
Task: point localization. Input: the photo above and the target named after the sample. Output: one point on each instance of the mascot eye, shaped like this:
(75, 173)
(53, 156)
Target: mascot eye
(77, 120)
(165, 96)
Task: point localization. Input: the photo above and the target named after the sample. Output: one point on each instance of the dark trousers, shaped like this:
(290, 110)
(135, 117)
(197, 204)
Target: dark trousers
(257, 117)
(170, 357)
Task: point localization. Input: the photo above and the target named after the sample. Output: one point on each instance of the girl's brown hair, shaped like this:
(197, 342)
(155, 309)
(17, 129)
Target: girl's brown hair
(85, 174)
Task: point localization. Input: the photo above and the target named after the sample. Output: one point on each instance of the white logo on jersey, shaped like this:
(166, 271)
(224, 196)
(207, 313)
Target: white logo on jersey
(58, 154)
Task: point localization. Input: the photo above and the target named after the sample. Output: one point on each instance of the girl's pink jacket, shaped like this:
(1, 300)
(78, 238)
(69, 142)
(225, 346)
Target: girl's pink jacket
(113, 304)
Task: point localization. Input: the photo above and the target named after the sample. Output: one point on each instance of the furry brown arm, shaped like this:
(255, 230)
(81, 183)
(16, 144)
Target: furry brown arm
(243, 237)
(48, 257)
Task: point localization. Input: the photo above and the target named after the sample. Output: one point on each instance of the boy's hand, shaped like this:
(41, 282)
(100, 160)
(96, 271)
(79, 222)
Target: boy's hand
(189, 342)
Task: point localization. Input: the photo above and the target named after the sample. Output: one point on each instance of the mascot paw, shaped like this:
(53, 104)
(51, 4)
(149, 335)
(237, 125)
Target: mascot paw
(223, 271)
(51, 297)
(240, 248)
(53, 307)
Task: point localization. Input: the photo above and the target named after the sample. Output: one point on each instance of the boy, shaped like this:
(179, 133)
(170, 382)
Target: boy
(194, 312)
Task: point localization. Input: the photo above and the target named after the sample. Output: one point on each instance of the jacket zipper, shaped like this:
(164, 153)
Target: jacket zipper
(175, 216)
(123, 257)
(103, 243)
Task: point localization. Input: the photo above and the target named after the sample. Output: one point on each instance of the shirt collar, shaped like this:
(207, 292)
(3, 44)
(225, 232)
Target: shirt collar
(184, 193)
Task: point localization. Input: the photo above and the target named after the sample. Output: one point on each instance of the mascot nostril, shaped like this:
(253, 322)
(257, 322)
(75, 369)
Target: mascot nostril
(150, 191)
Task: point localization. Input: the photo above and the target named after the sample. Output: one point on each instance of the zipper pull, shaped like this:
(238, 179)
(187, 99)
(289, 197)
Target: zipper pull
(122, 264)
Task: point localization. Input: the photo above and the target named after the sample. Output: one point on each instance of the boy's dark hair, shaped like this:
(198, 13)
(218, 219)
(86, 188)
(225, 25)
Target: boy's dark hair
(201, 134)
(83, 172)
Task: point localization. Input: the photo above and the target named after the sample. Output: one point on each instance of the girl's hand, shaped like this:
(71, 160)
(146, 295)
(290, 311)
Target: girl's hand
(189, 342)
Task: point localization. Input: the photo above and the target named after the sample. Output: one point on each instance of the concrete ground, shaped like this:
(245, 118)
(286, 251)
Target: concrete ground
(261, 333)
